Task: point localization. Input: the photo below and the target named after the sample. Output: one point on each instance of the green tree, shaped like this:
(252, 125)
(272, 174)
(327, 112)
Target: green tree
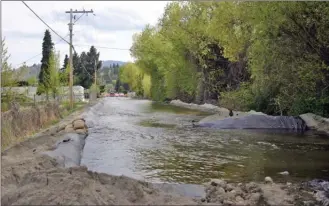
(267, 56)
(66, 62)
(47, 48)
(85, 67)
(54, 78)
(117, 85)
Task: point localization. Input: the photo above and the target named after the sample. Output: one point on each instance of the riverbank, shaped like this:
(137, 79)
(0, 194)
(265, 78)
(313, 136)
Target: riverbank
(30, 176)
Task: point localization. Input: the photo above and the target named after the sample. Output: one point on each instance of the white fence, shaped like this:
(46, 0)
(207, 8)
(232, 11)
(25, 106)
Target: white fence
(31, 92)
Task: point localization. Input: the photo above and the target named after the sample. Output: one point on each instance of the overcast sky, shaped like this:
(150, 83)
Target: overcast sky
(113, 26)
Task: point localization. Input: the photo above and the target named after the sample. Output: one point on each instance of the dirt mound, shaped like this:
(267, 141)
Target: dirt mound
(38, 181)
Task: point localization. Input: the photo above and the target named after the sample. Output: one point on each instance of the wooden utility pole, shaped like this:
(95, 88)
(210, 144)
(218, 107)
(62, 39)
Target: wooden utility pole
(95, 72)
(71, 12)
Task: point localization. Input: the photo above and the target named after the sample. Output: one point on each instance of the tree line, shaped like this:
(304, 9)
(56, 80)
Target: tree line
(52, 75)
(266, 56)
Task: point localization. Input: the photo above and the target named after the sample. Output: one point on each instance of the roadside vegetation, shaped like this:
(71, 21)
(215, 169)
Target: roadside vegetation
(271, 57)
(23, 116)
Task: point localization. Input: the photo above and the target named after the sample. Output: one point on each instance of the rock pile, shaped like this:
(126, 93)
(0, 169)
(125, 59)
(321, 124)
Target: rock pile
(220, 192)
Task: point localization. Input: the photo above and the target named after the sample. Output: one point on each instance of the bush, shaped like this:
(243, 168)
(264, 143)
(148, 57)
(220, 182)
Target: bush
(240, 99)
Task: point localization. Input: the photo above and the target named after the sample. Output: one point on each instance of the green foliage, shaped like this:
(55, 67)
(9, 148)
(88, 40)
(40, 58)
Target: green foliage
(32, 81)
(54, 77)
(64, 76)
(95, 88)
(267, 56)
(44, 75)
(8, 76)
(102, 88)
(65, 64)
(131, 74)
(240, 99)
(9, 79)
(117, 85)
(84, 67)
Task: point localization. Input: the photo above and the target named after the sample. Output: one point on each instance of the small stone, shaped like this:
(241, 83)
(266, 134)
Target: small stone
(237, 191)
(239, 199)
(218, 182)
(254, 198)
(220, 191)
(228, 203)
(268, 180)
(252, 187)
(240, 184)
(289, 184)
(81, 131)
(229, 187)
(78, 124)
(203, 199)
(230, 196)
(284, 173)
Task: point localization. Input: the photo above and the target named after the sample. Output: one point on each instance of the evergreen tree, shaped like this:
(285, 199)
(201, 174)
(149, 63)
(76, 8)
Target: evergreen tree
(66, 62)
(47, 48)
(117, 85)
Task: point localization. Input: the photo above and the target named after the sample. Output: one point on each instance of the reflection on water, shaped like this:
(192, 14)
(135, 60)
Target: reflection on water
(157, 143)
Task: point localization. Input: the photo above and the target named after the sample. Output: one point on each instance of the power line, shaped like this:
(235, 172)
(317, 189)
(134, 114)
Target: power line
(45, 22)
(78, 18)
(37, 54)
(55, 43)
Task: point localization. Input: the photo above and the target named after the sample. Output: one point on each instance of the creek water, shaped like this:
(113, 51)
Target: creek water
(157, 143)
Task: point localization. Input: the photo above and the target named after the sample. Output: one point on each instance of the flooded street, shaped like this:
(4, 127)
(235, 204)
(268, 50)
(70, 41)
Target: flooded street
(157, 143)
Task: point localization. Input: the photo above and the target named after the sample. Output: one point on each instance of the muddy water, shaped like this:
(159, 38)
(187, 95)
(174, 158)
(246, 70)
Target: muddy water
(157, 143)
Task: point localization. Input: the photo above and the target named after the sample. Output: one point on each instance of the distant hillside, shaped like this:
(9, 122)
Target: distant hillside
(107, 63)
(34, 70)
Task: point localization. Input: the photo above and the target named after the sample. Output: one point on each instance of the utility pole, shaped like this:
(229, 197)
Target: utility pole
(95, 72)
(71, 12)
